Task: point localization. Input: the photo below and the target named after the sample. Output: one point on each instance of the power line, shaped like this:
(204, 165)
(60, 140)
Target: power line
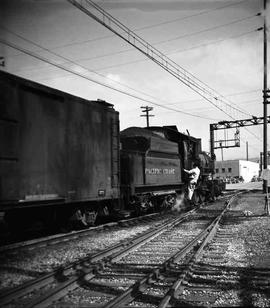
(206, 30)
(176, 38)
(5, 42)
(155, 25)
(173, 39)
(189, 16)
(244, 92)
(177, 51)
(118, 28)
(212, 42)
(227, 95)
(124, 51)
(73, 62)
(70, 61)
(171, 53)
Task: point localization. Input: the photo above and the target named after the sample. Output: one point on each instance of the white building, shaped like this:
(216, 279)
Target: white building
(236, 168)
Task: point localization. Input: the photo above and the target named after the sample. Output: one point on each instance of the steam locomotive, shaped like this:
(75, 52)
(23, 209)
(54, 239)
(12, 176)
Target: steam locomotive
(61, 155)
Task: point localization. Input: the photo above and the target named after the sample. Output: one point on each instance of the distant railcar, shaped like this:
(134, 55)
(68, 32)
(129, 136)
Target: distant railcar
(56, 150)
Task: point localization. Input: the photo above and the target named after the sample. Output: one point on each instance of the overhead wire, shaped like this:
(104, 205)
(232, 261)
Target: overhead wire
(92, 71)
(71, 61)
(194, 82)
(177, 51)
(68, 61)
(152, 26)
(206, 30)
(143, 60)
(173, 52)
(189, 16)
(5, 42)
(172, 39)
(227, 95)
(77, 63)
(212, 42)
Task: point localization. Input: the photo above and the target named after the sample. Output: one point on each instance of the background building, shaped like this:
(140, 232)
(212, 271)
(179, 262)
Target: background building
(237, 168)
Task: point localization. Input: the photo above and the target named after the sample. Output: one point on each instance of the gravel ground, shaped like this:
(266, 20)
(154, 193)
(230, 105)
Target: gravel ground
(247, 250)
(161, 248)
(250, 185)
(19, 267)
(251, 238)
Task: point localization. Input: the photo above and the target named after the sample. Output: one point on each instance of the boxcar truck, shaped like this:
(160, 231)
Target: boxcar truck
(59, 155)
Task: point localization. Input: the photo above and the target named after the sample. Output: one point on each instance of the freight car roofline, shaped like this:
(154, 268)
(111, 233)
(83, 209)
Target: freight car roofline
(35, 86)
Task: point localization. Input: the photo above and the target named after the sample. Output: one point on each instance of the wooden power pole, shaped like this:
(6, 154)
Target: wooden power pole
(265, 96)
(146, 109)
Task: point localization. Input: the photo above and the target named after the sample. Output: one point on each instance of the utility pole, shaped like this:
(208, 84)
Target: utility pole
(247, 149)
(146, 109)
(265, 102)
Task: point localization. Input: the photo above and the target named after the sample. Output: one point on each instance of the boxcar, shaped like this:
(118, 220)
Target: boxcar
(55, 148)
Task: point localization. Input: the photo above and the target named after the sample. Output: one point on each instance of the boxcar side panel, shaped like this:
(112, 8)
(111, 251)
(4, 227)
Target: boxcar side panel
(89, 151)
(56, 145)
(42, 157)
(9, 137)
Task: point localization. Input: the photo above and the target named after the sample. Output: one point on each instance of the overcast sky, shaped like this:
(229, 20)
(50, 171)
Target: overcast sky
(217, 41)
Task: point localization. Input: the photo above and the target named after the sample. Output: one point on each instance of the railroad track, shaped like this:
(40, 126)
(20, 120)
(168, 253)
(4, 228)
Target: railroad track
(112, 279)
(65, 237)
(72, 269)
(216, 281)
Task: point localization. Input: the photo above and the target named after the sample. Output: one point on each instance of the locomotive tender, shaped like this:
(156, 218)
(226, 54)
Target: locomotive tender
(60, 153)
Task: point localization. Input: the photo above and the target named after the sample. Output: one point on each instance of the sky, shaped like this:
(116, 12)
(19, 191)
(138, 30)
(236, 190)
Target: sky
(217, 41)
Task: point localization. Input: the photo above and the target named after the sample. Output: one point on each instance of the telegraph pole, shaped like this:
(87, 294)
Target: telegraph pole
(146, 109)
(265, 102)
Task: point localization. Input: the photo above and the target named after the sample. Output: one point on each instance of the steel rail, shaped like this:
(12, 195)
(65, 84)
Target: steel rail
(88, 273)
(178, 286)
(61, 272)
(58, 238)
(55, 239)
(141, 285)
